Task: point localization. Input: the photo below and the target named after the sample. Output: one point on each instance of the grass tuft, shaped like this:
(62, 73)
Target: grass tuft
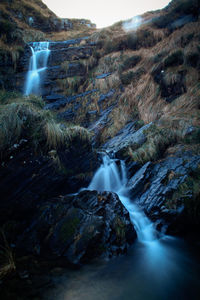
(55, 136)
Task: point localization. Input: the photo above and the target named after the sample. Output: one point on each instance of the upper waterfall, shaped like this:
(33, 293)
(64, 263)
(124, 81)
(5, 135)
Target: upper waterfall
(37, 66)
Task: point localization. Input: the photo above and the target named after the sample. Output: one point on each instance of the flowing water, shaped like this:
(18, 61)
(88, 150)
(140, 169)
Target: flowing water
(110, 178)
(37, 66)
(155, 268)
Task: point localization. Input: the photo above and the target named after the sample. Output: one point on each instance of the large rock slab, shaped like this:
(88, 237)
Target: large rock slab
(71, 53)
(168, 192)
(79, 227)
(126, 137)
(62, 101)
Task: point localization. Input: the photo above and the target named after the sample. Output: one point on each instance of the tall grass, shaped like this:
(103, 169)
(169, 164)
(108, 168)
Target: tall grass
(55, 136)
(26, 119)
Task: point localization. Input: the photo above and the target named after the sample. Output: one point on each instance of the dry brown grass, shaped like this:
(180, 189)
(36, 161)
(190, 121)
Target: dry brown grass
(143, 98)
(105, 84)
(45, 11)
(70, 34)
(55, 136)
(77, 132)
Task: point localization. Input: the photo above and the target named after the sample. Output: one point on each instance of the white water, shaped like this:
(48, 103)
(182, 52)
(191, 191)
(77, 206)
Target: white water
(37, 66)
(113, 178)
(153, 269)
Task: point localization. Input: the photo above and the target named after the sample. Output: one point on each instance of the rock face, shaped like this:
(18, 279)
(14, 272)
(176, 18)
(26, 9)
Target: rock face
(28, 179)
(70, 52)
(127, 136)
(38, 220)
(59, 101)
(79, 227)
(168, 192)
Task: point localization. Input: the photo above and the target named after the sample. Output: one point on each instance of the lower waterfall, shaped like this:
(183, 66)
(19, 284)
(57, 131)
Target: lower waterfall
(113, 179)
(156, 267)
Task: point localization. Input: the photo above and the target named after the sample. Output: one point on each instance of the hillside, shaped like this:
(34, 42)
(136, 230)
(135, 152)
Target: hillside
(132, 91)
(150, 74)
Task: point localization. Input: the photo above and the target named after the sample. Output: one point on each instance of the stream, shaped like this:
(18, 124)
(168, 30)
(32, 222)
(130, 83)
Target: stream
(157, 267)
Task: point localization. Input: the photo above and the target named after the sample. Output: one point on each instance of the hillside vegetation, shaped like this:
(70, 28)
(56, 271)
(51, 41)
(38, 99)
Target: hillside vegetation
(153, 72)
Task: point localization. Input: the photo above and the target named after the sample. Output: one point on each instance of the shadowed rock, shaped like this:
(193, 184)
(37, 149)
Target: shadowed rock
(165, 191)
(126, 137)
(63, 101)
(80, 227)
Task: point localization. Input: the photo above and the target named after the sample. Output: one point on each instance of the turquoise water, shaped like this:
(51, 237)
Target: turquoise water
(170, 270)
(155, 268)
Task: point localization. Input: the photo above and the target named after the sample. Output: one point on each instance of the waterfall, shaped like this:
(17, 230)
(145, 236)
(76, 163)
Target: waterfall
(113, 178)
(37, 66)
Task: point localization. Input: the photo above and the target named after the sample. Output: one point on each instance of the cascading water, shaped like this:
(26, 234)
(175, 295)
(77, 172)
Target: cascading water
(109, 178)
(153, 269)
(37, 66)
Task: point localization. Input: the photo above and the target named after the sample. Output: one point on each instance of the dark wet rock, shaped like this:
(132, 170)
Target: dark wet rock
(97, 126)
(102, 101)
(65, 24)
(54, 97)
(108, 95)
(62, 102)
(28, 179)
(136, 183)
(67, 115)
(103, 75)
(166, 192)
(71, 53)
(126, 137)
(73, 69)
(132, 167)
(66, 44)
(92, 112)
(79, 227)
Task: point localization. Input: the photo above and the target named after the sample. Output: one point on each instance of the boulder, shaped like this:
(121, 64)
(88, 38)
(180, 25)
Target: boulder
(79, 228)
